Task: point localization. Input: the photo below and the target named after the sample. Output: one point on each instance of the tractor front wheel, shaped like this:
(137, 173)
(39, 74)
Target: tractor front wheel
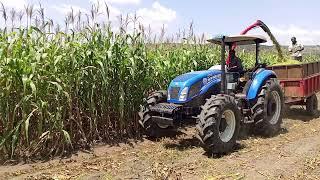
(219, 124)
(152, 129)
(267, 109)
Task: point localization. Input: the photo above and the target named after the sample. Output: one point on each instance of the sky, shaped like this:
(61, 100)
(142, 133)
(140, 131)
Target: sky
(285, 18)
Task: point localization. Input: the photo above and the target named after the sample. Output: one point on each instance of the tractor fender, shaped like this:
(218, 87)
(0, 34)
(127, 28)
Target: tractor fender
(257, 83)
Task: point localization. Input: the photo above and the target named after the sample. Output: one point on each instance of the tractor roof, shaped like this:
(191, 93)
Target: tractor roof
(239, 39)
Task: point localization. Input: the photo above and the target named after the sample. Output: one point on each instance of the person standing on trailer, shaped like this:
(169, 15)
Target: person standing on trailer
(296, 49)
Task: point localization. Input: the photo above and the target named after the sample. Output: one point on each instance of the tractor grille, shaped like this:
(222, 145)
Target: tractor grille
(165, 108)
(174, 92)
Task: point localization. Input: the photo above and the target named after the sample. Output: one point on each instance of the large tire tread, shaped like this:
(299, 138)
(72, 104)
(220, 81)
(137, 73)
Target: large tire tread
(259, 108)
(151, 129)
(209, 118)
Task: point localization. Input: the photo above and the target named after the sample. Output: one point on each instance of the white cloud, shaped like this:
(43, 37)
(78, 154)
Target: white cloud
(283, 34)
(17, 4)
(306, 36)
(113, 11)
(66, 8)
(123, 1)
(156, 16)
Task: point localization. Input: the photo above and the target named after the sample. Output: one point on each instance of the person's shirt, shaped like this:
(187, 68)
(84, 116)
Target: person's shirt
(235, 65)
(296, 50)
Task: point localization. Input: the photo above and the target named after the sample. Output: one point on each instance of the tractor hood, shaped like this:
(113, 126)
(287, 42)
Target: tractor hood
(187, 86)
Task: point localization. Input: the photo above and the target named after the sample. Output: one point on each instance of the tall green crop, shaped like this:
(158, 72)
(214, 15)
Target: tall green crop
(65, 91)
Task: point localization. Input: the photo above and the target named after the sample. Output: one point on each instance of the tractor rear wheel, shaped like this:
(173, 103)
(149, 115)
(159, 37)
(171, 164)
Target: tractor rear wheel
(152, 129)
(312, 105)
(267, 109)
(219, 124)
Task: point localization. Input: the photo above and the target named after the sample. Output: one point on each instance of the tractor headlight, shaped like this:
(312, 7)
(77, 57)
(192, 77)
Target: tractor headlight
(169, 96)
(184, 94)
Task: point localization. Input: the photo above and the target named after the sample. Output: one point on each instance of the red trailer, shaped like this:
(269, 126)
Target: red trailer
(300, 84)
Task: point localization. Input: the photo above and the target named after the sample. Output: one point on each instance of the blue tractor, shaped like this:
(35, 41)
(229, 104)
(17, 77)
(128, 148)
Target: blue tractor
(220, 100)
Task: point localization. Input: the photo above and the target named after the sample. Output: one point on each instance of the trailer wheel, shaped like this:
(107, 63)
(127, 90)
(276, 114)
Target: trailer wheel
(219, 124)
(312, 105)
(267, 109)
(152, 129)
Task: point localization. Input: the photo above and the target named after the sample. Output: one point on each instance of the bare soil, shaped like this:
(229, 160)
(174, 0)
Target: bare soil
(293, 154)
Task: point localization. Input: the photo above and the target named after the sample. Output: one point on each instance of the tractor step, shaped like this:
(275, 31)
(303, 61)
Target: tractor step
(163, 120)
(241, 96)
(246, 120)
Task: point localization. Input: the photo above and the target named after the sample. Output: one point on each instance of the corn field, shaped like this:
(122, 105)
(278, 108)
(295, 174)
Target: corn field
(64, 88)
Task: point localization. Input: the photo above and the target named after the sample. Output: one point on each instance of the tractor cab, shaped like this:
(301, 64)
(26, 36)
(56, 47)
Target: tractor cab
(237, 82)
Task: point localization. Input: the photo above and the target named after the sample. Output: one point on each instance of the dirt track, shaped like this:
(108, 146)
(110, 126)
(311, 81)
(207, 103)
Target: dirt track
(293, 154)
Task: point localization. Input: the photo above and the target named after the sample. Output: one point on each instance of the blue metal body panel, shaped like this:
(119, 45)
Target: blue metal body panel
(208, 78)
(258, 79)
